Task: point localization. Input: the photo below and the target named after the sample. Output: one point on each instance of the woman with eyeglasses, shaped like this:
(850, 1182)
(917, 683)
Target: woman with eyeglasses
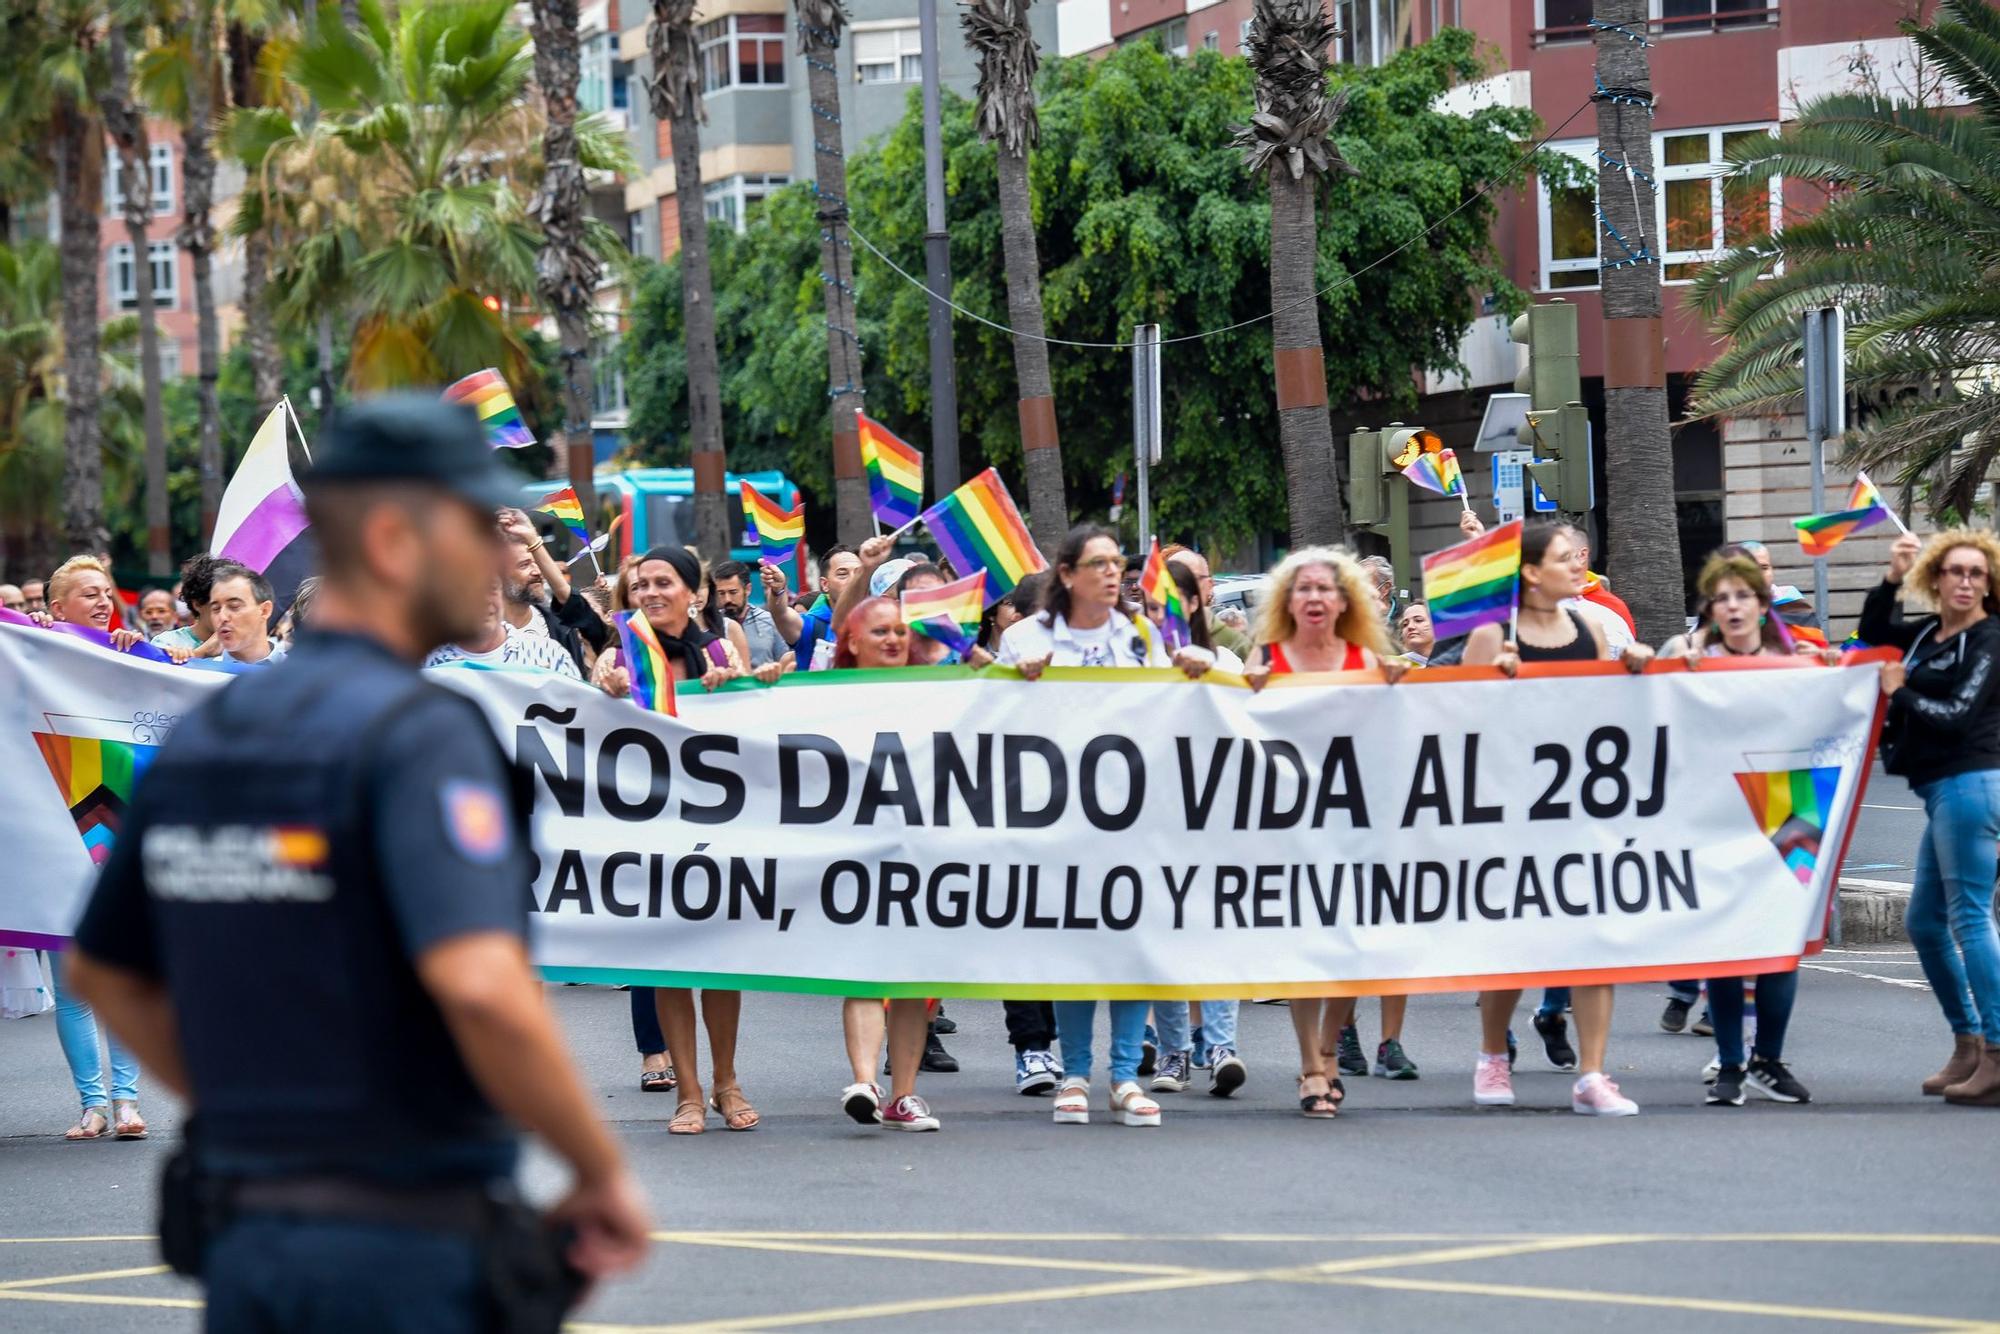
(1084, 622)
(1738, 621)
(1553, 570)
(1943, 736)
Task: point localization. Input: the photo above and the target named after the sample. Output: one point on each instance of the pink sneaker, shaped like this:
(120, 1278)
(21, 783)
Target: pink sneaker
(1493, 1082)
(908, 1113)
(1594, 1095)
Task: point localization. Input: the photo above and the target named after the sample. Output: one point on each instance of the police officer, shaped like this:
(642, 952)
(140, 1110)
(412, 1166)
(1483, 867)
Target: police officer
(312, 928)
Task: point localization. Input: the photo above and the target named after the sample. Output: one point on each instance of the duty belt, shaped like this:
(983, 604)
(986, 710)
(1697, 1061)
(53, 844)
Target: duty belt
(442, 1208)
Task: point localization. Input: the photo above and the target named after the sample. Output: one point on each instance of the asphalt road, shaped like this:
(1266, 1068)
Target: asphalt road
(1414, 1210)
(1884, 848)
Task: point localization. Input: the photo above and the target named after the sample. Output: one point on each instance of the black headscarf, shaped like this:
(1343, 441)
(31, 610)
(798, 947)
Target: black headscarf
(689, 647)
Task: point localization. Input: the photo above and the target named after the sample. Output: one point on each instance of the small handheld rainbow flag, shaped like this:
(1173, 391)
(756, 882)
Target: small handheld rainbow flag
(978, 528)
(1821, 533)
(489, 396)
(1474, 583)
(1437, 472)
(646, 663)
(1157, 583)
(781, 533)
(949, 614)
(566, 507)
(895, 472)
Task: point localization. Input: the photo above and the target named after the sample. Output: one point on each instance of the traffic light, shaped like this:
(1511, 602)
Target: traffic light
(1558, 427)
(1401, 445)
(1548, 331)
(1367, 482)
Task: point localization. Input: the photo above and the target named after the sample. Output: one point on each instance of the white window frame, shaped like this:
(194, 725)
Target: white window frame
(1211, 40)
(1713, 171)
(122, 280)
(1243, 35)
(1656, 11)
(160, 173)
(904, 62)
(593, 84)
(1171, 31)
(728, 200)
(170, 358)
(724, 34)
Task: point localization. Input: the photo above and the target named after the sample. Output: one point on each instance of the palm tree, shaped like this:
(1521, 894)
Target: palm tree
(999, 35)
(125, 124)
(567, 269)
(1290, 141)
(676, 93)
(1908, 242)
(821, 23)
(246, 46)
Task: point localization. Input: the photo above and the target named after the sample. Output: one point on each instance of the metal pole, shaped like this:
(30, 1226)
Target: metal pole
(1145, 421)
(1816, 431)
(937, 270)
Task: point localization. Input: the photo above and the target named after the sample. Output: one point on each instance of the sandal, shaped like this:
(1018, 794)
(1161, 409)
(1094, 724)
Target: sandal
(91, 1125)
(690, 1118)
(1317, 1106)
(126, 1121)
(1072, 1105)
(656, 1081)
(744, 1117)
(1133, 1107)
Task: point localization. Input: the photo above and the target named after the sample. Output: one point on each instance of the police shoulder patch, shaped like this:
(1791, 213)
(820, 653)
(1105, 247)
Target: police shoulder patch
(475, 820)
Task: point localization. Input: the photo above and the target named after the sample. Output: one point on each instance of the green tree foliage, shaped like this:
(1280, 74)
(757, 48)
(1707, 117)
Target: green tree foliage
(1143, 214)
(1908, 242)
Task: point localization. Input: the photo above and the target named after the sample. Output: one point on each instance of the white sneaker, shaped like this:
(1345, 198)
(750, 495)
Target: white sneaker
(863, 1102)
(1595, 1095)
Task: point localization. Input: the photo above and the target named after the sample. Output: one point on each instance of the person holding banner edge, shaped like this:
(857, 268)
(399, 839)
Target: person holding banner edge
(1943, 735)
(1546, 630)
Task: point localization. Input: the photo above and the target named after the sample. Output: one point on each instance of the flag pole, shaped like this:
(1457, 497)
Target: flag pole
(904, 529)
(1894, 517)
(291, 415)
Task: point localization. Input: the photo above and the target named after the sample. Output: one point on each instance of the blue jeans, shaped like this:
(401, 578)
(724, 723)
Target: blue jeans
(1775, 994)
(268, 1274)
(1686, 991)
(646, 1035)
(1075, 1021)
(1554, 1001)
(76, 1030)
(1950, 918)
(1218, 1024)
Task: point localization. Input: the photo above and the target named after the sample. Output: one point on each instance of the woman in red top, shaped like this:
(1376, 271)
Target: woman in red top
(1319, 616)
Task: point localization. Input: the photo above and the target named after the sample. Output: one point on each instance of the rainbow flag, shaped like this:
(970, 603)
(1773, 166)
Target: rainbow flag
(949, 614)
(1474, 583)
(1792, 807)
(489, 396)
(96, 779)
(781, 533)
(978, 528)
(565, 506)
(1437, 472)
(1821, 533)
(895, 473)
(646, 663)
(1157, 583)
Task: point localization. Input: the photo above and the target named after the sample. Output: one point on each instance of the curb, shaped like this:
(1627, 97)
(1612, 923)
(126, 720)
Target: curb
(1870, 912)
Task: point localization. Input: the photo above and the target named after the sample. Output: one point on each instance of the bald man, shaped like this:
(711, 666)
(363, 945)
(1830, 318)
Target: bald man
(13, 599)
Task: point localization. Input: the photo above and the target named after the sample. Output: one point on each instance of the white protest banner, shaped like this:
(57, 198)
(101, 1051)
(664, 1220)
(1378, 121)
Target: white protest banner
(927, 832)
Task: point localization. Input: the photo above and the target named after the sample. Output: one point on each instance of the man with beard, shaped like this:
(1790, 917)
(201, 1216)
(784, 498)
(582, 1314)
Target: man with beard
(540, 598)
(731, 580)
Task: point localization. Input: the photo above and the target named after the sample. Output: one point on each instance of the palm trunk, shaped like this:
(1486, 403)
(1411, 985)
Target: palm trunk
(197, 237)
(78, 151)
(565, 270)
(854, 518)
(1643, 532)
(1305, 433)
(1048, 505)
(260, 331)
(127, 129)
(704, 367)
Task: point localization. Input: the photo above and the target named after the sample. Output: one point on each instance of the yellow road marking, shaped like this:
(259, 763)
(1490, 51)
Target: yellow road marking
(939, 1257)
(50, 1241)
(17, 1283)
(1358, 1238)
(101, 1299)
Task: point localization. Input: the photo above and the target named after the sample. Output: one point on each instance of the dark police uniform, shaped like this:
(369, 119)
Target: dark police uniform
(301, 840)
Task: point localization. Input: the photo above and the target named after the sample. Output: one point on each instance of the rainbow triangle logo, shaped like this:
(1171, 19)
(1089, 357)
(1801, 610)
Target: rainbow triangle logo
(1792, 807)
(96, 779)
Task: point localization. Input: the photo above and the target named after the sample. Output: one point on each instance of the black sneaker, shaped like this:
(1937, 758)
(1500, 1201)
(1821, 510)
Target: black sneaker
(937, 1060)
(1704, 1027)
(1513, 1049)
(1555, 1040)
(1349, 1054)
(1775, 1082)
(1391, 1063)
(942, 1024)
(1727, 1090)
(1226, 1071)
(1149, 1054)
(1674, 1019)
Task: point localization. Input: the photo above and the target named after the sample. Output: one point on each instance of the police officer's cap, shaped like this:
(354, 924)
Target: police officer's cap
(418, 439)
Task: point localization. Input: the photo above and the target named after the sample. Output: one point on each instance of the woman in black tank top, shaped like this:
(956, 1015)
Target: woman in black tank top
(1552, 571)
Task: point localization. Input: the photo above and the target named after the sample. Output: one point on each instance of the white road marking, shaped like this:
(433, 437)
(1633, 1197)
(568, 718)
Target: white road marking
(1872, 806)
(1917, 985)
(1856, 882)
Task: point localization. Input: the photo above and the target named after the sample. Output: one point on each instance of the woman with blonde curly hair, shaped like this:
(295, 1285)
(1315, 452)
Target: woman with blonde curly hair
(1943, 735)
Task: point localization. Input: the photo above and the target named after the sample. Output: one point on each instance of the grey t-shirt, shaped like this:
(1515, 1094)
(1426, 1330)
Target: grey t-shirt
(761, 633)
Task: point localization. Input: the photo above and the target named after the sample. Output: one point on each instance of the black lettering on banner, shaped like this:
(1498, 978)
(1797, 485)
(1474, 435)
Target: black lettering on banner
(1556, 880)
(1246, 777)
(1073, 918)
(659, 769)
(746, 887)
(1528, 890)
(896, 887)
(792, 808)
(1340, 761)
(608, 880)
(1282, 754)
(885, 761)
(1469, 809)
(1657, 797)
(1546, 807)
(694, 764)
(1429, 788)
(829, 904)
(974, 784)
(1135, 783)
(1392, 893)
(983, 907)
(1117, 921)
(1327, 905)
(1486, 868)
(947, 908)
(696, 863)
(1178, 892)
(1198, 804)
(1630, 865)
(1426, 873)
(1597, 879)
(566, 786)
(1263, 895)
(1231, 884)
(1598, 769)
(1036, 921)
(1682, 882)
(1013, 750)
(571, 886)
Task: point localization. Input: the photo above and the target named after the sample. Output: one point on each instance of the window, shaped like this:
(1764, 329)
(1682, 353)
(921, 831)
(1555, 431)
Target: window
(159, 165)
(124, 283)
(593, 84)
(1373, 31)
(607, 364)
(1211, 40)
(729, 200)
(889, 55)
(1243, 35)
(1569, 20)
(636, 236)
(1173, 37)
(1697, 214)
(742, 50)
(170, 359)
